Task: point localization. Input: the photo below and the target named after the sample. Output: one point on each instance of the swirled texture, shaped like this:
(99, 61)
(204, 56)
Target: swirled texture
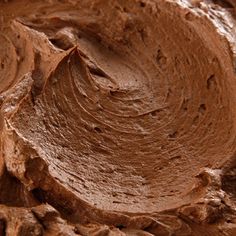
(118, 117)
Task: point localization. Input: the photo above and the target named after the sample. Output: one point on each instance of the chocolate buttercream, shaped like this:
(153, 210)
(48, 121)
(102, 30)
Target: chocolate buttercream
(118, 117)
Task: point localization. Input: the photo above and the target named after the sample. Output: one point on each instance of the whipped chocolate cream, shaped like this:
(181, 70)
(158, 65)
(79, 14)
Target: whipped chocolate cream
(118, 117)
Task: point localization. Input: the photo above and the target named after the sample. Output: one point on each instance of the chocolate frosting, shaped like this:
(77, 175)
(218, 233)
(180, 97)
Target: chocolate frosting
(118, 117)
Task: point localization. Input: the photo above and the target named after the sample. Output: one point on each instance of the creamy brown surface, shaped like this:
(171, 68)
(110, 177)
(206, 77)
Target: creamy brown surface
(118, 117)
